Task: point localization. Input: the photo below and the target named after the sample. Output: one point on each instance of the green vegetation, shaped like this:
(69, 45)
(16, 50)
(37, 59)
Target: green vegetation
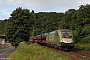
(35, 52)
(83, 46)
(3, 24)
(24, 23)
(18, 27)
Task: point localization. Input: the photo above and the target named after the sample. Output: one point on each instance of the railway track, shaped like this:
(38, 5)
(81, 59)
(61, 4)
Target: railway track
(75, 54)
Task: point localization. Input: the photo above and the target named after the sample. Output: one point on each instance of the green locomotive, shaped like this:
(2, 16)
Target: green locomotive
(61, 39)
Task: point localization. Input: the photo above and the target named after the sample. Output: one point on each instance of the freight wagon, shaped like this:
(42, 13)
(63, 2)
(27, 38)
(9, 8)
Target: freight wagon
(42, 39)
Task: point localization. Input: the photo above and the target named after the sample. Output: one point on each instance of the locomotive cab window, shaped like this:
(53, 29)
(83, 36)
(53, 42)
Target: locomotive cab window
(66, 34)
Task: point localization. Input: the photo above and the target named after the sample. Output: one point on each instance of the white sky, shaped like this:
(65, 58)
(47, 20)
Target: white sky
(7, 6)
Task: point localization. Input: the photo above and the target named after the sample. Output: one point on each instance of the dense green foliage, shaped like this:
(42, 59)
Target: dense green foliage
(35, 52)
(23, 24)
(3, 25)
(18, 27)
(47, 22)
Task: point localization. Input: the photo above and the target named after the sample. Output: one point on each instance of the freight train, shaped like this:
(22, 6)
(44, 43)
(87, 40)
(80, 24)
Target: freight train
(61, 39)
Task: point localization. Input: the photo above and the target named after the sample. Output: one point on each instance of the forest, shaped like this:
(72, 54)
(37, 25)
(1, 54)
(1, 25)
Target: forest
(24, 23)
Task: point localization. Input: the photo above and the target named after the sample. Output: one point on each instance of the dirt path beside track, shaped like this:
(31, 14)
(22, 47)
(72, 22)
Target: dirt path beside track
(75, 54)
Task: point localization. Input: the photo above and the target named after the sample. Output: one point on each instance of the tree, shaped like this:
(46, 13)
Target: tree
(3, 25)
(47, 22)
(67, 19)
(18, 28)
(33, 18)
(82, 16)
(81, 23)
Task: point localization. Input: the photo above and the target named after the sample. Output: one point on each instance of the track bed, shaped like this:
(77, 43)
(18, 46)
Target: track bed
(75, 54)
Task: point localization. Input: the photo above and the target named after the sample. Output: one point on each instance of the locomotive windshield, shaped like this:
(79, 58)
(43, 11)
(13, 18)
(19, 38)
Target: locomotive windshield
(66, 34)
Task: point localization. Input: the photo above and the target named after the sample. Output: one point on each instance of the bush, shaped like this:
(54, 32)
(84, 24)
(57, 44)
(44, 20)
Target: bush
(86, 40)
(83, 46)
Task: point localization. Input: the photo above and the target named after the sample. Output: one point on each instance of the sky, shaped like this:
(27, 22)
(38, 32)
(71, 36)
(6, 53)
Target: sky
(8, 6)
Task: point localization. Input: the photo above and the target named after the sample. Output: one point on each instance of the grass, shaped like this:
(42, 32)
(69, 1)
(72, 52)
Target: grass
(35, 52)
(83, 46)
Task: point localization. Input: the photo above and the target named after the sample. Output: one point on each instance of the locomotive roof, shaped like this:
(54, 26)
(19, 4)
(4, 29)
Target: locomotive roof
(52, 32)
(60, 30)
(65, 30)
